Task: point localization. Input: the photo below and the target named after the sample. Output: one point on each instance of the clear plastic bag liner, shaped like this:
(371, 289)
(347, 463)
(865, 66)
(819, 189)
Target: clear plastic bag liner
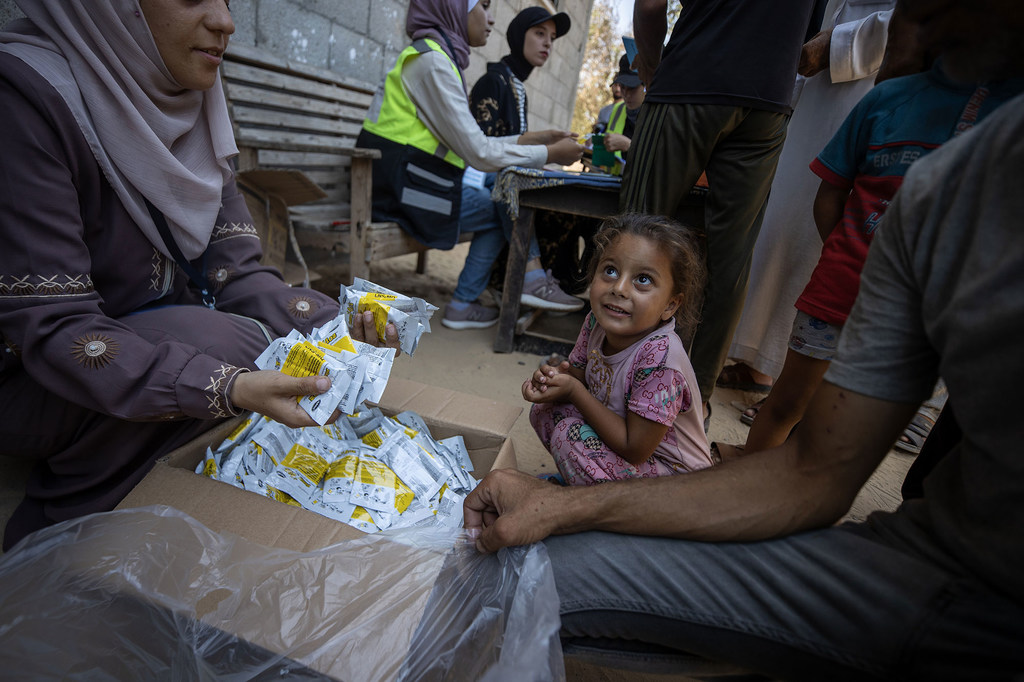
(151, 593)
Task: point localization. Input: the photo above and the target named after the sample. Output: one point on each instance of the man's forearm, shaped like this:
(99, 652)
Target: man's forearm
(650, 23)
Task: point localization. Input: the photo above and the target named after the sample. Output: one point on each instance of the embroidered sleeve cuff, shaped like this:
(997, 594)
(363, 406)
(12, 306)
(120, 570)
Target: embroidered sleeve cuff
(203, 386)
(228, 405)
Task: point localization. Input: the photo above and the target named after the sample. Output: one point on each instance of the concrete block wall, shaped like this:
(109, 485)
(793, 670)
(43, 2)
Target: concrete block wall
(362, 39)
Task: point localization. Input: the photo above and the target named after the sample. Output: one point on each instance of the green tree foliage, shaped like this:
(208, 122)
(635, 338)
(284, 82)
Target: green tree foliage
(600, 62)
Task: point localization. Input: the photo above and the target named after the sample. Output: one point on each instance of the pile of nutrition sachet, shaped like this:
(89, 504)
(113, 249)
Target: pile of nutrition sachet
(367, 470)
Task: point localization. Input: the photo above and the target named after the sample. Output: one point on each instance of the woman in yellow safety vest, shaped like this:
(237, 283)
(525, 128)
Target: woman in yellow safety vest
(421, 122)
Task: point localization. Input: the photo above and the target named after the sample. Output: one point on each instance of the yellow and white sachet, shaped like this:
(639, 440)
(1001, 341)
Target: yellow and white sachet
(411, 316)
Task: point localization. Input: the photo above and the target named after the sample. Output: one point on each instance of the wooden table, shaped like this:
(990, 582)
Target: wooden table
(594, 202)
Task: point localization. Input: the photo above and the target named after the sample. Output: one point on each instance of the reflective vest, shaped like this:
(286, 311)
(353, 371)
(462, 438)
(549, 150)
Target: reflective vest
(617, 122)
(392, 114)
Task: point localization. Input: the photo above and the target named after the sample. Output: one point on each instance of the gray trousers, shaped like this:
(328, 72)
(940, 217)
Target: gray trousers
(835, 604)
(738, 148)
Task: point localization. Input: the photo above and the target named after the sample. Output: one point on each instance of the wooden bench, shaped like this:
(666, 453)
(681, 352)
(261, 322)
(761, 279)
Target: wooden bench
(288, 115)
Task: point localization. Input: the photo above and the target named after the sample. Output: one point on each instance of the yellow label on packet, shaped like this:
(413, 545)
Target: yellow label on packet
(373, 472)
(304, 360)
(275, 494)
(306, 462)
(239, 429)
(376, 304)
(344, 467)
(360, 514)
(373, 439)
(210, 468)
(338, 345)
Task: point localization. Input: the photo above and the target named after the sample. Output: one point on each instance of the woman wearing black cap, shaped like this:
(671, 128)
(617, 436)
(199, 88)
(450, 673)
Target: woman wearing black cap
(498, 99)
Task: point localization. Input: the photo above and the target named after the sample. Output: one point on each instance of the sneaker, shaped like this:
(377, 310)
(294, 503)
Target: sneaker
(475, 316)
(547, 295)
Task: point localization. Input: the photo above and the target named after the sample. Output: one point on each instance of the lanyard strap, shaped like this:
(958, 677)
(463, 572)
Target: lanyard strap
(197, 279)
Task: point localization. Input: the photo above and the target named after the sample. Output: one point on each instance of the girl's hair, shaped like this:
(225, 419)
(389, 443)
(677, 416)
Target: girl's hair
(673, 238)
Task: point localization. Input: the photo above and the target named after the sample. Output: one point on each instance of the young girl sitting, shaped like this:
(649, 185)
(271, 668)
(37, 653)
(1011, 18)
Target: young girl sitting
(626, 402)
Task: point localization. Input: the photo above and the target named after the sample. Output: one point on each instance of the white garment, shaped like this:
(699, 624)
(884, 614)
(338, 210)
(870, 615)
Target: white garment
(789, 245)
(441, 104)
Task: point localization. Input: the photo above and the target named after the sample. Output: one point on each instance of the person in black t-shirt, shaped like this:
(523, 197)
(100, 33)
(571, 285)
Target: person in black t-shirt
(718, 101)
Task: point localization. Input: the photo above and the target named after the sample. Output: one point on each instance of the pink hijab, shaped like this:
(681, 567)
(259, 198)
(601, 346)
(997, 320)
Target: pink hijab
(438, 20)
(153, 139)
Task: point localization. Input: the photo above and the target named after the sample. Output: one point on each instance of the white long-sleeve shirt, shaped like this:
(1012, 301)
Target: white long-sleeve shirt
(857, 47)
(441, 104)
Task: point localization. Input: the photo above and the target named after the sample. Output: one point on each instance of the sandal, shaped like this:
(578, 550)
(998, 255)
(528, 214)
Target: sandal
(917, 431)
(738, 377)
(748, 412)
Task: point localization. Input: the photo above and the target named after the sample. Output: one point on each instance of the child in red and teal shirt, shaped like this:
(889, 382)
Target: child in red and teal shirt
(895, 124)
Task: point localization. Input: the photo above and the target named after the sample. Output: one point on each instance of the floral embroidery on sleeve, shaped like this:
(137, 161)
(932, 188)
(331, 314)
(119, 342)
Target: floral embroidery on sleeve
(230, 230)
(45, 286)
(94, 351)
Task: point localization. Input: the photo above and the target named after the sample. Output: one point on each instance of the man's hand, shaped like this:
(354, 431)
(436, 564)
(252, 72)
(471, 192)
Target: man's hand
(511, 508)
(814, 56)
(363, 329)
(274, 394)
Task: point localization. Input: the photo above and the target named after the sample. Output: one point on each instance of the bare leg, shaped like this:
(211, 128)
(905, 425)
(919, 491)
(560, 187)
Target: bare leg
(787, 402)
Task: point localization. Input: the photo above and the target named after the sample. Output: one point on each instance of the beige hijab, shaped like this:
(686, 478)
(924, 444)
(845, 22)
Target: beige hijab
(151, 137)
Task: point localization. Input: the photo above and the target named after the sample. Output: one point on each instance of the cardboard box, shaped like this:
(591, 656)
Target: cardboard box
(484, 425)
(268, 194)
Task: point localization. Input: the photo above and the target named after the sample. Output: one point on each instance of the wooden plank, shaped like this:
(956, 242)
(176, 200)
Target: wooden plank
(273, 119)
(244, 95)
(260, 57)
(263, 140)
(273, 157)
(291, 83)
(322, 212)
(515, 267)
(359, 215)
(285, 139)
(292, 116)
(326, 177)
(386, 240)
